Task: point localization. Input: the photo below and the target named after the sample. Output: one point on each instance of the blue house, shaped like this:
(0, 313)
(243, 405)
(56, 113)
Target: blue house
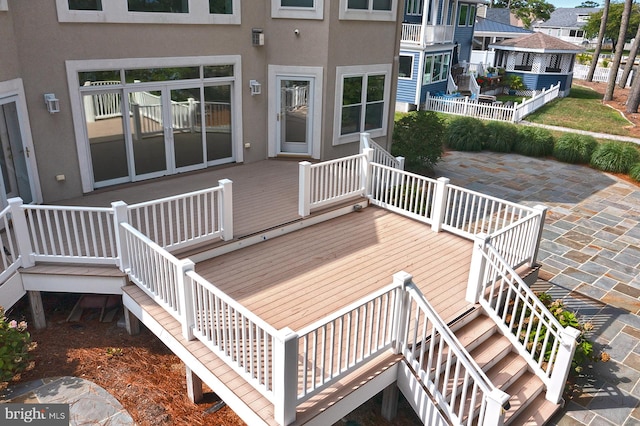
(540, 59)
(436, 36)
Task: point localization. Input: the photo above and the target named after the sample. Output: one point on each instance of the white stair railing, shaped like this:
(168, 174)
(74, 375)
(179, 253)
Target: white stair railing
(380, 155)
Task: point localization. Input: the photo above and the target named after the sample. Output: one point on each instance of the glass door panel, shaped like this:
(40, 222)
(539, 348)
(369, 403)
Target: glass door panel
(188, 146)
(294, 116)
(147, 133)
(13, 160)
(105, 131)
(217, 122)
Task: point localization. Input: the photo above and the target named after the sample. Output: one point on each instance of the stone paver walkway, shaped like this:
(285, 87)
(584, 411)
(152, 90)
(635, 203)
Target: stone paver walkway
(590, 256)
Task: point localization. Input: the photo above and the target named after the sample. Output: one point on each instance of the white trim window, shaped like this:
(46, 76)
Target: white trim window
(369, 10)
(414, 7)
(467, 15)
(436, 68)
(144, 12)
(297, 9)
(362, 102)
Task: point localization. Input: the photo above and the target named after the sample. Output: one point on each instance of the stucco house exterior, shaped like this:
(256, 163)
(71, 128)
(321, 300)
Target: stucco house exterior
(203, 83)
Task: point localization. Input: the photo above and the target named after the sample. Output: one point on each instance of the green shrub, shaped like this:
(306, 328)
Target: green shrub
(419, 138)
(466, 134)
(15, 344)
(573, 148)
(615, 157)
(500, 136)
(634, 172)
(534, 142)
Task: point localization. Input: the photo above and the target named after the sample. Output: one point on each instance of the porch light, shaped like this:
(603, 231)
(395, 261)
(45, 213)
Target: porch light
(52, 103)
(256, 88)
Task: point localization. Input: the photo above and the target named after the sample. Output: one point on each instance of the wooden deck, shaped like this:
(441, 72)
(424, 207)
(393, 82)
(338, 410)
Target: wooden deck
(303, 276)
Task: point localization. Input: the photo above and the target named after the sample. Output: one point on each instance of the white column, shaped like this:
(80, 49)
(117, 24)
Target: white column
(365, 173)
(121, 215)
(562, 364)
(21, 230)
(226, 212)
(186, 298)
(541, 218)
(285, 376)
(401, 314)
(494, 413)
(304, 189)
(439, 204)
(477, 268)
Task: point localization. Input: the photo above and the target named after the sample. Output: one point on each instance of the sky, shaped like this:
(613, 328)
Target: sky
(567, 3)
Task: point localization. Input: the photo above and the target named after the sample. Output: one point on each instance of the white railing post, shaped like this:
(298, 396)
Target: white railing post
(304, 189)
(477, 268)
(562, 364)
(285, 376)
(400, 163)
(439, 204)
(401, 279)
(226, 213)
(542, 214)
(365, 173)
(121, 215)
(494, 411)
(21, 229)
(185, 294)
(364, 141)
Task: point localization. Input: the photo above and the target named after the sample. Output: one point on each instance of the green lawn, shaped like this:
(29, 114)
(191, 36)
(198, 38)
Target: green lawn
(583, 110)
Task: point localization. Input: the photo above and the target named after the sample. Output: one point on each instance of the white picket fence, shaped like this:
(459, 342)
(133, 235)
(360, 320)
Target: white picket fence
(491, 111)
(600, 74)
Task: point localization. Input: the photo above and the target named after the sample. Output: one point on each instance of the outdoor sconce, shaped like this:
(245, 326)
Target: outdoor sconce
(52, 103)
(256, 88)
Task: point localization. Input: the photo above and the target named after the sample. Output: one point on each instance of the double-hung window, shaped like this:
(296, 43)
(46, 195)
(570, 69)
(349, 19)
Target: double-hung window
(363, 96)
(150, 11)
(297, 9)
(369, 10)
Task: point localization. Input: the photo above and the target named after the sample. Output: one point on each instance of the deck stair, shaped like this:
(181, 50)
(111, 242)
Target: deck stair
(506, 369)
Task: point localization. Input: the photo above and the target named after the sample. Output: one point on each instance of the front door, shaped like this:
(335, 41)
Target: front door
(15, 180)
(295, 115)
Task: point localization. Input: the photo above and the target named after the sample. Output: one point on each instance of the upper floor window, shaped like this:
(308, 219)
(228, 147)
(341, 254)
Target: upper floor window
(363, 94)
(150, 11)
(467, 15)
(414, 7)
(297, 9)
(405, 70)
(369, 10)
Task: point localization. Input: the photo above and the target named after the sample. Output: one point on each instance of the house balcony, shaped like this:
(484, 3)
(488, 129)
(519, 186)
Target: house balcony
(299, 291)
(424, 35)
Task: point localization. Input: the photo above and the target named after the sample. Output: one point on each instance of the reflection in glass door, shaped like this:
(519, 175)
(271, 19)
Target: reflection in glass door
(13, 160)
(147, 134)
(188, 148)
(217, 114)
(295, 115)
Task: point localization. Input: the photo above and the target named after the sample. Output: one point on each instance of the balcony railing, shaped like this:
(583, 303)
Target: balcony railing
(423, 35)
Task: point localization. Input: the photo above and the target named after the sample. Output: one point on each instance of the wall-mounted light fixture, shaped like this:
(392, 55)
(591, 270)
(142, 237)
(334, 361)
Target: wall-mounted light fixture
(52, 103)
(256, 88)
(257, 37)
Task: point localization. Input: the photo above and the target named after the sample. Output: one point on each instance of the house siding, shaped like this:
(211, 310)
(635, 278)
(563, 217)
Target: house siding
(407, 87)
(46, 45)
(541, 81)
(464, 37)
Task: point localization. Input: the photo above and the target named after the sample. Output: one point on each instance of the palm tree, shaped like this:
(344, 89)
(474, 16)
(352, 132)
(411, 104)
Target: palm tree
(603, 28)
(613, 72)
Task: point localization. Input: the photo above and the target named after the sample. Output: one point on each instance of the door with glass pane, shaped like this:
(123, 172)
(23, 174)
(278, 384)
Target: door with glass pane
(217, 121)
(13, 160)
(295, 115)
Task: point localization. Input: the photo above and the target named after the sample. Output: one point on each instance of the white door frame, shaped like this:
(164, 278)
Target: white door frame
(13, 91)
(282, 119)
(293, 72)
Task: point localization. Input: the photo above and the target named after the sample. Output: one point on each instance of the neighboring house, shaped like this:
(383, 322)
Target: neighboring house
(436, 36)
(566, 24)
(541, 60)
(204, 82)
(488, 32)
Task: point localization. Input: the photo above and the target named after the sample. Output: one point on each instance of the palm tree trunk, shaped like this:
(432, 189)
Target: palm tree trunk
(632, 57)
(613, 72)
(603, 28)
(634, 97)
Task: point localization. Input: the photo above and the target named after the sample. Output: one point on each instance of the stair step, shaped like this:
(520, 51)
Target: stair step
(523, 391)
(537, 413)
(507, 370)
(489, 352)
(475, 332)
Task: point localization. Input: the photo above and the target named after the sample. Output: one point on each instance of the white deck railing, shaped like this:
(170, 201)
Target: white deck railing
(539, 338)
(72, 234)
(380, 155)
(187, 219)
(421, 35)
(10, 253)
(457, 384)
(491, 111)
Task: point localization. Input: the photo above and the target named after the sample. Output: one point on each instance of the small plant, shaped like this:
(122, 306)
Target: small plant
(483, 81)
(584, 58)
(615, 157)
(515, 82)
(634, 172)
(605, 63)
(534, 142)
(574, 148)
(419, 138)
(15, 344)
(466, 134)
(500, 136)
(112, 352)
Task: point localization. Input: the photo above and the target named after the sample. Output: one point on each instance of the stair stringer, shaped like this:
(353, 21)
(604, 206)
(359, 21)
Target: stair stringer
(418, 397)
